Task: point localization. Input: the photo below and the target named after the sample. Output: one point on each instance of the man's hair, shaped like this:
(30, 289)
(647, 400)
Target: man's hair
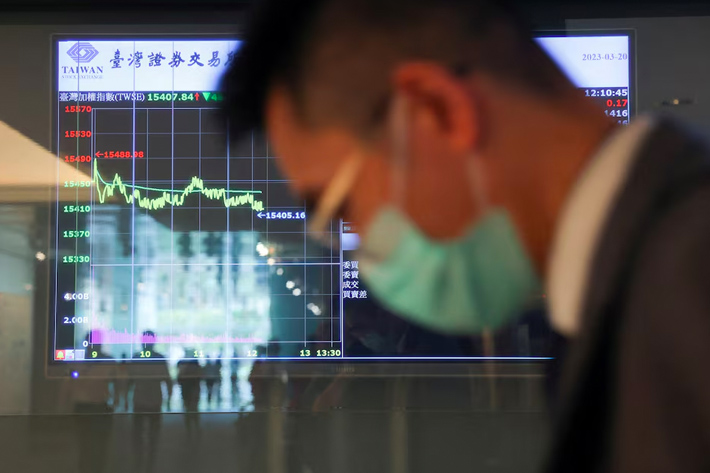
(336, 57)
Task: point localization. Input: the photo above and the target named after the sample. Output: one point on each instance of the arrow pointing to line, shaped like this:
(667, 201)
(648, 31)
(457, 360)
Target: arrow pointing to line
(98, 154)
(260, 215)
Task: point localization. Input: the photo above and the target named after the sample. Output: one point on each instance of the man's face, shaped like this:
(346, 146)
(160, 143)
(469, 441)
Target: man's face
(437, 195)
(310, 159)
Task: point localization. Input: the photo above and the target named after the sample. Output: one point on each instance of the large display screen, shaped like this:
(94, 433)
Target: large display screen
(181, 244)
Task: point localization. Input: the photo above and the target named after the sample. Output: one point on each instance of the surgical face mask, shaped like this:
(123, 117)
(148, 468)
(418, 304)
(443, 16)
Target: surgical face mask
(474, 283)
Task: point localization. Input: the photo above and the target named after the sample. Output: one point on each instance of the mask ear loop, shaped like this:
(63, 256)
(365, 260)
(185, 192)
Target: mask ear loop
(400, 148)
(336, 192)
(479, 191)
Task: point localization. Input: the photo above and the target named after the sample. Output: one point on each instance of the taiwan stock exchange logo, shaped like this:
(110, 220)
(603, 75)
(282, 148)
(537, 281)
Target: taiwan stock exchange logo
(82, 52)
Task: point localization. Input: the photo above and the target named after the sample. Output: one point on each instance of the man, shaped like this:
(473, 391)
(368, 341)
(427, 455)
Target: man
(213, 379)
(148, 375)
(189, 377)
(444, 133)
(90, 390)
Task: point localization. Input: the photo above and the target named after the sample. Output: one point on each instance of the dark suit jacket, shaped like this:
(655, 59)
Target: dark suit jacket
(635, 394)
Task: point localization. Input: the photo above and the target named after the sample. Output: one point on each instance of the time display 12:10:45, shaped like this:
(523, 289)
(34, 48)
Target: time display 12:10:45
(601, 92)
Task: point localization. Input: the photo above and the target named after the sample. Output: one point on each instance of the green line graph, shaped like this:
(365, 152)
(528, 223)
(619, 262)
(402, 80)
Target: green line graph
(172, 197)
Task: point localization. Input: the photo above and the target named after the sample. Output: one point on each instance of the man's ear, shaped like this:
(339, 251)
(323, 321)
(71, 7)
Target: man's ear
(439, 103)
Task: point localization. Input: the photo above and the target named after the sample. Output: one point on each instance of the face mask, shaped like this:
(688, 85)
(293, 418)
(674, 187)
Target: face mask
(477, 282)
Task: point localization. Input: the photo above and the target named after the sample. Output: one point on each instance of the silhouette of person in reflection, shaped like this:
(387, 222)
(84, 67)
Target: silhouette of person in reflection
(122, 385)
(148, 376)
(234, 380)
(189, 377)
(266, 377)
(91, 394)
(257, 382)
(213, 379)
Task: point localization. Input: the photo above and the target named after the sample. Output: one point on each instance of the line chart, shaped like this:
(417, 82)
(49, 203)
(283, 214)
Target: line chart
(172, 197)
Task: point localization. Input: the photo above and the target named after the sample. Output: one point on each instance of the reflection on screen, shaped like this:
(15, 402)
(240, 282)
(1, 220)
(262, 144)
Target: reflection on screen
(183, 242)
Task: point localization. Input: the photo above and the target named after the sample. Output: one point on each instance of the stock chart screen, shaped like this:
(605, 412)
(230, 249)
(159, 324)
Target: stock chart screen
(181, 243)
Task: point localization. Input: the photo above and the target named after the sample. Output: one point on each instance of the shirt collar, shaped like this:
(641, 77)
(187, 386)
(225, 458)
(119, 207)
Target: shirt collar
(581, 223)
